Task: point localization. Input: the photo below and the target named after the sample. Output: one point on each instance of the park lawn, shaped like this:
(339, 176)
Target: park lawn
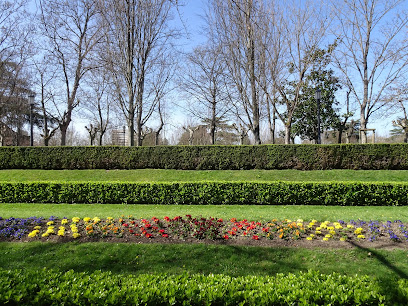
(240, 212)
(168, 175)
(387, 266)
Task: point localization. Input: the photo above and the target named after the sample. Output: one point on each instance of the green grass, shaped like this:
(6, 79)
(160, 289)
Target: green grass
(158, 175)
(124, 258)
(250, 212)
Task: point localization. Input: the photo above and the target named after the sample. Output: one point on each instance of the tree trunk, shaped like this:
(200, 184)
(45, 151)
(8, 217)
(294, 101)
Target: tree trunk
(287, 134)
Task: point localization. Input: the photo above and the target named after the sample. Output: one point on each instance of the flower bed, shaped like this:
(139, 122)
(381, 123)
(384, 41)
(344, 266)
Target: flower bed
(190, 228)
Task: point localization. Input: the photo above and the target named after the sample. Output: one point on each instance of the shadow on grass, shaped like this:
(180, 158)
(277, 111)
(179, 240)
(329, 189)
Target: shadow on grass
(387, 283)
(151, 258)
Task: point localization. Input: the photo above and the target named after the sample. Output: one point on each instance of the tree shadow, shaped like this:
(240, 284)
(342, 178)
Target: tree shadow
(388, 284)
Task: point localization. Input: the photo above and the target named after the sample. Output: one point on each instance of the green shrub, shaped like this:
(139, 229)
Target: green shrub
(204, 193)
(47, 287)
(304, 157)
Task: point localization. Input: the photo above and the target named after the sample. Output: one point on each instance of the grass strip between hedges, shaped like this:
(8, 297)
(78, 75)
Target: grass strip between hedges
(249, 212)
(44, 287)
(204, 193)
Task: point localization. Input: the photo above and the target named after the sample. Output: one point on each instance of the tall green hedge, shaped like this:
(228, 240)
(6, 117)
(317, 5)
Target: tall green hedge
(303, 157)
(204, 193)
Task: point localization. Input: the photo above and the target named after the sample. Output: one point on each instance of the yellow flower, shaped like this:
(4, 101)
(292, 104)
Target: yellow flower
(325, 239)
(361, 237)
(61, 233)
(33, 233)
(323, 225)
(332, 232)
(37, 227)
(299, 224)
(74, 230)
(109, 218)
(350, 226)
(330, 228)
(309, 238)
(318, 228)
(314, 221)
(50, 231)
(328, 236)
(311, 235)
(75, 219)
(50, 222)
(318, 232)
(96, 220)
(45, 234)
(61, 228)
(358, 231)
(339, 226)
(87, 219)
(64, 221)
(343, 239)
(76, 235)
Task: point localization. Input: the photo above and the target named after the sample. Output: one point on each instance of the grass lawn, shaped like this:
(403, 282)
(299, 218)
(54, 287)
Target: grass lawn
(160, 175)
(250, 212)
(386, 266)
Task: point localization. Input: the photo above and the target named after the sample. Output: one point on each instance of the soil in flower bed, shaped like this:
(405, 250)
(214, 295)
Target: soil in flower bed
(275, 233)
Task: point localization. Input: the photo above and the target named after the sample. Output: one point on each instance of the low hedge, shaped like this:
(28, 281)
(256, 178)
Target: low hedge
(305, 157)
(271, 193)
(47, 287)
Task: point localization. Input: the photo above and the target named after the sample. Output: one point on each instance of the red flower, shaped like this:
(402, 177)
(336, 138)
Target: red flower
(255, 237)
(161, 231)
(148, 235)
(165, 235)
(125, 225)
(167, 219)
(220, 220)
(226, 237)
(131, 231)
(132, 222)
(233, 220)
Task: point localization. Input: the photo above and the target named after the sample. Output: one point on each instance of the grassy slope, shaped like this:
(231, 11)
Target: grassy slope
(157, 175)
(250, 212)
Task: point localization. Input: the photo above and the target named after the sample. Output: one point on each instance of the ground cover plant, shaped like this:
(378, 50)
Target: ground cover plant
(71, 288)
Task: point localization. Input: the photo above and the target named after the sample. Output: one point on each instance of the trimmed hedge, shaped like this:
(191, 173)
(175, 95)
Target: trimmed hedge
(304, 157)
(47, 287)
(202, 193)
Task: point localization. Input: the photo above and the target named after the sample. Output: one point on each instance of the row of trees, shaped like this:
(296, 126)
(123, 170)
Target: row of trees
(261, 64)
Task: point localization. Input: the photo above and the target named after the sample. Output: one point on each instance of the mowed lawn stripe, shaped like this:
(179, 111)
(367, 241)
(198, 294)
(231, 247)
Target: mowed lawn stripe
(160, 175)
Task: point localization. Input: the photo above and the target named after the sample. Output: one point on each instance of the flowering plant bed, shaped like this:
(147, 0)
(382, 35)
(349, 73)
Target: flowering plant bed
(213, 230)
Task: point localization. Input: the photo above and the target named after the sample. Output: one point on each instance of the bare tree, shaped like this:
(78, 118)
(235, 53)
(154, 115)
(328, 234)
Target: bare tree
(234, 25)
(293, 49)
(72, 33)
(397, 102)
(137, 41)
(15, 47)
(203, 81)
(372, 53)
(98, 98)
(44, 73)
